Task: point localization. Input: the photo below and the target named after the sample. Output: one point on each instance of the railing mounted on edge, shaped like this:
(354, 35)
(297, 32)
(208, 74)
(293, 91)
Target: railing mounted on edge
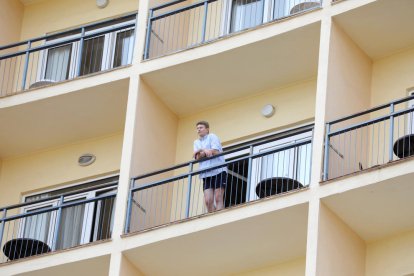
(66, 55)
(369, 139)
(176, 25)
(254, 171)
(57, 222)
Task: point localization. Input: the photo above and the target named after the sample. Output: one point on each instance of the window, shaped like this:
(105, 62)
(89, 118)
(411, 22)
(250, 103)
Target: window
(243, 14)
(100, 52)
(79, 224)
(293, 163)
(58, 62)
(246, 14)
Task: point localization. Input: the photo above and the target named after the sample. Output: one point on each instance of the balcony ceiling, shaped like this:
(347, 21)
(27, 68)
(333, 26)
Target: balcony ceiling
(244, 245)
(240, 72)
(68, 118)
(378, 210)
(381, 28)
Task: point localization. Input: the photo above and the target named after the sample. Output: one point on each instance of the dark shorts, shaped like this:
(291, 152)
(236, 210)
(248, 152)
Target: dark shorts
(215, 181)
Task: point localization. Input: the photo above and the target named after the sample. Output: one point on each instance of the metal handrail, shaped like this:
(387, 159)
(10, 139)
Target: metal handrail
(57, 207)
(187, 178)
(392, 114)
(282, 135)
(106, 185)
(226, 163)
(67, 41)
(60, 206)
(77, 29)
(24, 59)
(203, 3)
(379, 107)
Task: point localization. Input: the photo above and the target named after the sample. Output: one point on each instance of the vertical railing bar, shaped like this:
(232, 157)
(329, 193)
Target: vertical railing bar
(187, 210)
(147, 39)
(26, 64)
(390, 145)
(249, 174)
(79, 61)
(129, 206)
(57, 226)
(203, 34)
(326, 158)
(3, 223)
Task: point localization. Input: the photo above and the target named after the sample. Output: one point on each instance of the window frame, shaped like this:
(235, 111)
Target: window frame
(108, 52)
(90, 219)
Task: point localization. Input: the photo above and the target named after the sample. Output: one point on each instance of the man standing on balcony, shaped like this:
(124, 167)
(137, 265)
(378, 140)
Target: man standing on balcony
(214, 181)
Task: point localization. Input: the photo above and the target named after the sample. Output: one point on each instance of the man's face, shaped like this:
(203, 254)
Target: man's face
(202, 130)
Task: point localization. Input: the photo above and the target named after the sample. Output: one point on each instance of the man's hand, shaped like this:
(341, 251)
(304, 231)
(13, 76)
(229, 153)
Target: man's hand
(199, 154)
(209, 152)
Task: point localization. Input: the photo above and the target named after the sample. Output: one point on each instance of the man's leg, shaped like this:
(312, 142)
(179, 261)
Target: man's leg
(209, 199)
(219, 196)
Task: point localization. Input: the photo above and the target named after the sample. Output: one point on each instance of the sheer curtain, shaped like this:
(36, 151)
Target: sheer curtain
(246, 14)
(71, 226)
(37, 227)
(58, 60)
(124, 48)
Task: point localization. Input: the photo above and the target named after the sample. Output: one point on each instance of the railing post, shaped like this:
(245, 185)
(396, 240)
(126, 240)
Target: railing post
(26, 64)
(249, 174)
(326, 155)
(57, 225)
(203, 34)
(79, 61)
(129, 207)
(391, 153)
(148, 38)
(2, 225)
(187, 207)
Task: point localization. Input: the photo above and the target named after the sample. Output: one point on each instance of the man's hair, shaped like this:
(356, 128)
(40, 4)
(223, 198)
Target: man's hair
(204, 123)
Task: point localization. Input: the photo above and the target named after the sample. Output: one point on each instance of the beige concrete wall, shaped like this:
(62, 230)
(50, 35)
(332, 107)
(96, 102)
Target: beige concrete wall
(349, 77)
(391, 256)
(391, 77)
(154, 149)
(156, 132)
(340, 250)
(11, 14)
(65, 14)
(56, 167)
(348, 92)
(292, 268)
(128, 269)
(242, 119)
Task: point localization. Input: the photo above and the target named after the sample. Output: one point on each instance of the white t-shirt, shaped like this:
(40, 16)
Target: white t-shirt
(210, 141)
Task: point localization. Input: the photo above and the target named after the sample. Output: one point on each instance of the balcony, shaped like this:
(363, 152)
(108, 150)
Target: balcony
(369, 139)
(176, 26)
(62, 56)
(58, 220)
(255, 171)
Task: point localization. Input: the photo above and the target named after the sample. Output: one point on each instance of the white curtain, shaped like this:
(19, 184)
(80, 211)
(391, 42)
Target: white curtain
(58, 59)
(246, 14)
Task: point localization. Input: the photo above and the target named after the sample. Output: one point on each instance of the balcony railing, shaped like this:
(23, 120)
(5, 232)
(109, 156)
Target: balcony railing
(176, 26)
(254, 171)
(369, 139)
(58, 222)
(66, 55)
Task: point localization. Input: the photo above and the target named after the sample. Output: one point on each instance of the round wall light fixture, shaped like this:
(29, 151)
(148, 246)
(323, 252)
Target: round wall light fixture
(268, 110)
(86, 159)
(102, 3)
